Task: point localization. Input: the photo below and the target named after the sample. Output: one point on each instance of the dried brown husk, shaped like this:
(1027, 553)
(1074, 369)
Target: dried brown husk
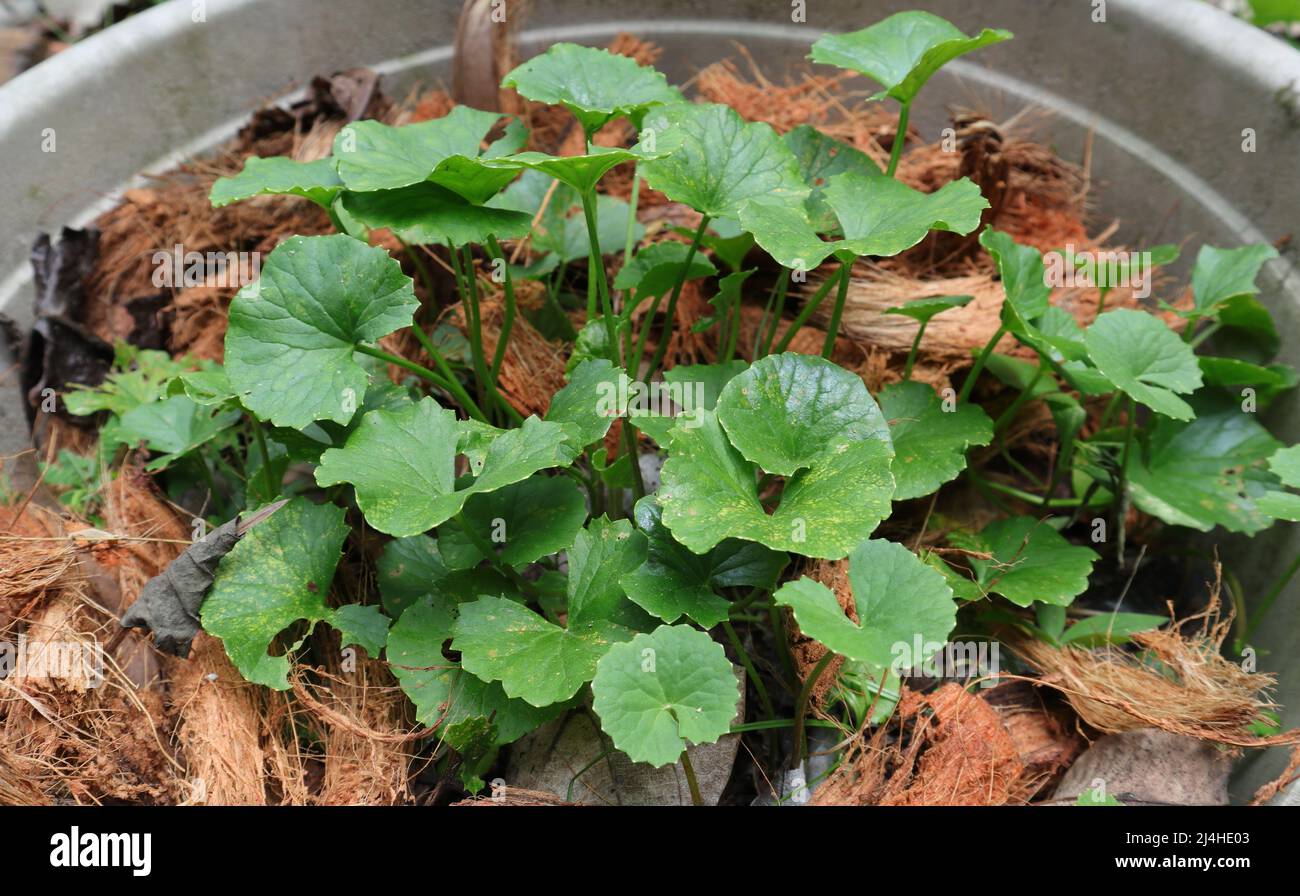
(157, 729)
(363, 721)
(1176, 680)
(1044, 729)
(35, 555)
(219, 727)
(533, 367)
(804, 98)
(72, 717)
(948, 747)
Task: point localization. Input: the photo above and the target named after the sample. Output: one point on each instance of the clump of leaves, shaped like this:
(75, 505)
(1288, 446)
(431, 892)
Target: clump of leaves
(180, 411)
(527, 569)
(76, 480)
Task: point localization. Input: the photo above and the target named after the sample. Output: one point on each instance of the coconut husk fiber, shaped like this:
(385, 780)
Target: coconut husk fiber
(174, 210)
(83, 742)
(803, 98)
(238, 740)
(35, 555)
(219, 724)
(533, 367)
(514, 796)
(362, 718)
(1043, 728)
(220, 728)
(155, 729)
(75, 722)
(1177, 681)
(1282, 782)
(948, 747)
(951, 338)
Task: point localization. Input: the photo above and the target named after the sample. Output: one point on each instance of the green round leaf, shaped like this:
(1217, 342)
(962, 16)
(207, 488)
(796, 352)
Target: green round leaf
(595, 85)
(585, 406)
(1059, 335)
(525, 521)
(402, 464)
(1031, 562)
(1280, 505)
(900, 602)
(820, 158)
(902, 51)
(787, 411)
(601, 555)
(276, 574)
(883, 216)
(655, 270)
(518, 453)
(1206, 472)
(1024, 281)
(661, 692)
(690, 386)
(707, 380)
(592, 341)
(785, 232)
(580, 172)
(717, 160)
(1268, 382)
(425, 213)
(1145, 359)
(292, 335)
(365, 626)
(440, 689)
(535, 660)
(1285, 464)
(1248, 327)
(408, 570)
(921, 310)
(374, 156)
(710, 493)
(174, 427)
(1224, 274)
(278, 175)
(538, 661)
(413, 568)
(930, 441)
(877, 215)
(207, 387)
